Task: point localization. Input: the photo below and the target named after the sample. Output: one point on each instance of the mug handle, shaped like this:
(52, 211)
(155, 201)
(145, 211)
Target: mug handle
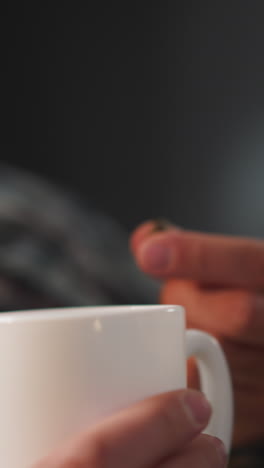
(215, 382)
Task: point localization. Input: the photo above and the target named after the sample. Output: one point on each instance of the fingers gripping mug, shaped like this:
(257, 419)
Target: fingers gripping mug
(62, 370)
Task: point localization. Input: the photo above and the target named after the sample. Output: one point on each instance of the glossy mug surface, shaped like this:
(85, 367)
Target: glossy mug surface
(64, 369)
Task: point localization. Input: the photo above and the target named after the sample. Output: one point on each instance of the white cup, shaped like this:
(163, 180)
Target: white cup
(61, 370)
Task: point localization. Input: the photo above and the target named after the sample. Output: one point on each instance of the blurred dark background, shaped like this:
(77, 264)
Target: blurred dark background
(145, 109)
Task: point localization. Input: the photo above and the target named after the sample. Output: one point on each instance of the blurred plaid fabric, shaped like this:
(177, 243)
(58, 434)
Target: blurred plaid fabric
(55, 252)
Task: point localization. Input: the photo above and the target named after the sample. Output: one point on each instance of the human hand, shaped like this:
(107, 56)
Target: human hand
(220, 282)
(161, 432)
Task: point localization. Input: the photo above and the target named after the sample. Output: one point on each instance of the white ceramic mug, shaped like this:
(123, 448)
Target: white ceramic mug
(64, 369)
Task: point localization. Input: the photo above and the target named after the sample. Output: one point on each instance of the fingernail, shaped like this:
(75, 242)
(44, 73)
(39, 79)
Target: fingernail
(198, 408)
(220, 447)
(155, 256)
(161, 224)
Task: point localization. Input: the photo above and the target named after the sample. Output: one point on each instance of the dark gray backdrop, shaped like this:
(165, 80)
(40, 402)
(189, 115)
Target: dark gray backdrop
(146, 109)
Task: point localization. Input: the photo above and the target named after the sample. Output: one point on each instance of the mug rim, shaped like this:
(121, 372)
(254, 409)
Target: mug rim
(84, 312)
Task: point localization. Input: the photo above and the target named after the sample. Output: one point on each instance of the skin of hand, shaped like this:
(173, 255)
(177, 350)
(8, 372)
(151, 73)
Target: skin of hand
(220, 282)
(161, 432)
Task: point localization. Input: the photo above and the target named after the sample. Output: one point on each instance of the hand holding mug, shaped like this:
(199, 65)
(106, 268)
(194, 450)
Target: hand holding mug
(161, 432)
(63, 371)
(220, 282)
